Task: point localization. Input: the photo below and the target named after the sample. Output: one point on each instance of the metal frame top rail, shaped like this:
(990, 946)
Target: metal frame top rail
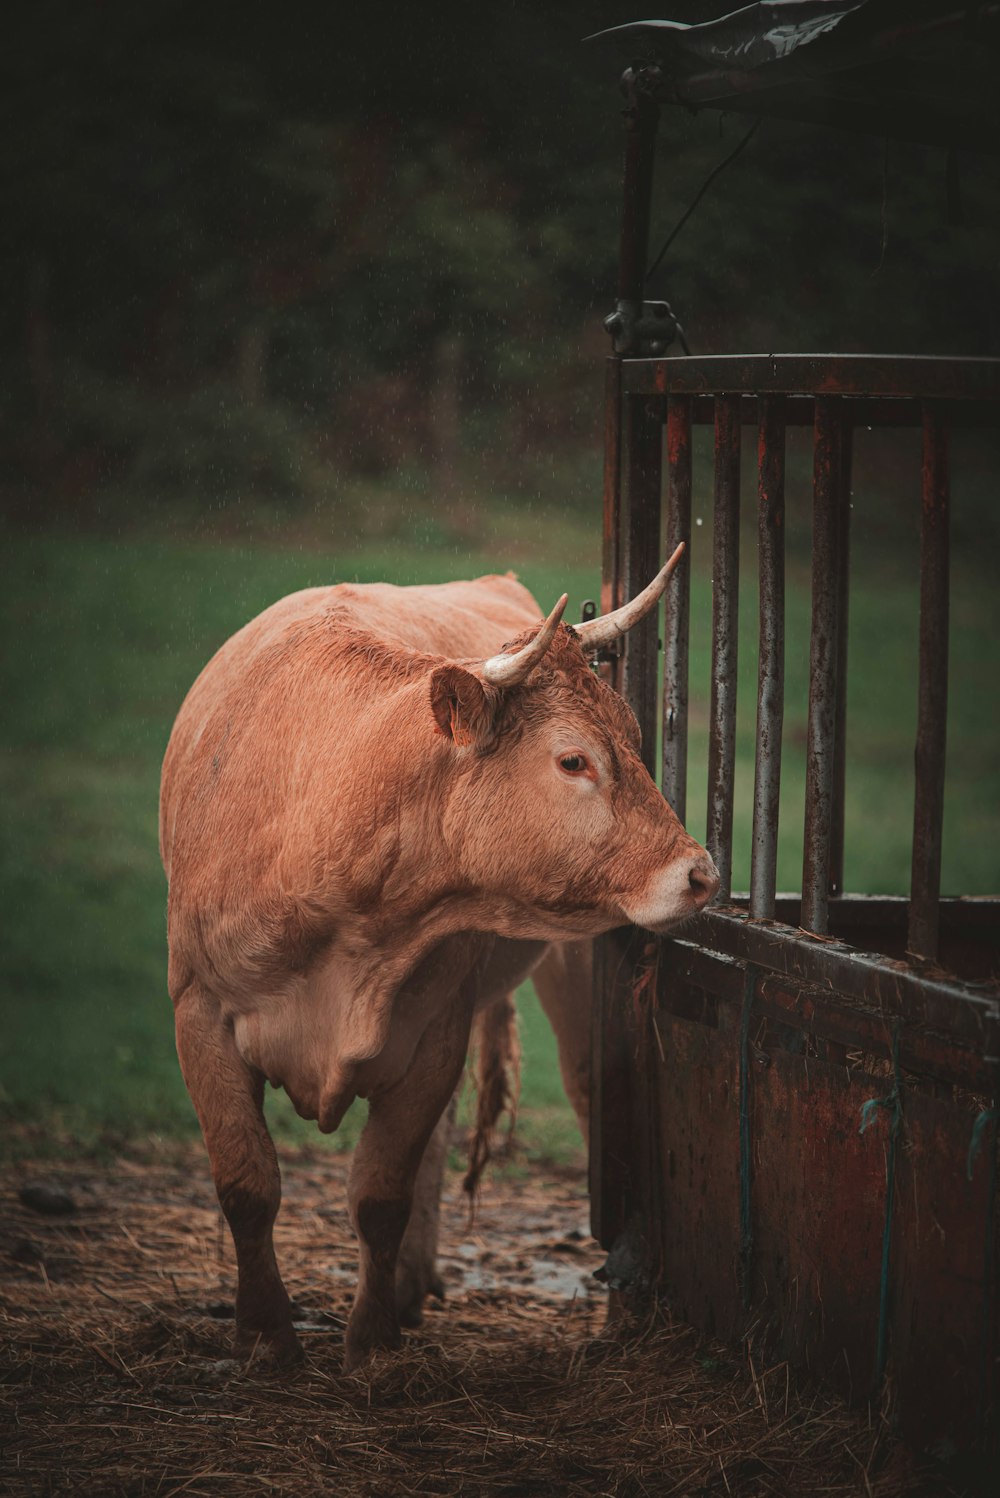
(931, 998)
(915, 377)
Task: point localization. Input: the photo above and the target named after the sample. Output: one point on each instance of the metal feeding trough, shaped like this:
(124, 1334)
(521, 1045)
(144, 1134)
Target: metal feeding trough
(795, 1103)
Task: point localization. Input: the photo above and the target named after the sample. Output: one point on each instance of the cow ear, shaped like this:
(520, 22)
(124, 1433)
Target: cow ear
(463, 706)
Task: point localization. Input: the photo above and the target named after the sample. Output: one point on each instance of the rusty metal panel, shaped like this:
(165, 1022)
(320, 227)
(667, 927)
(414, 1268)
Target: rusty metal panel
(844, 1027)
(932, 700)
(615, 1165)
(678, 607)
(828, 1289)
(818, 1193)
(944, 1332)
(771, 663)
(725, 639)
(849, 1277)
(698, 1123)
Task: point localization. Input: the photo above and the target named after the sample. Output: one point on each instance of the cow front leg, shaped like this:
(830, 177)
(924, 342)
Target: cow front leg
(228, 1096)
(401, 1120)
(417, 1273)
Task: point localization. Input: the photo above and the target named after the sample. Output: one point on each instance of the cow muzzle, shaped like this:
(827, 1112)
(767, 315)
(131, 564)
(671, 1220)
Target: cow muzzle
(675, 893)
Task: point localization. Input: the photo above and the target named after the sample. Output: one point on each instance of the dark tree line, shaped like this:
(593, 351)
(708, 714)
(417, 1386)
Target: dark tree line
(249, 249)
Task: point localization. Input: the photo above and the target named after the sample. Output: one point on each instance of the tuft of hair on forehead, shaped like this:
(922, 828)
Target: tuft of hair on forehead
(565, 649)
(566, 669)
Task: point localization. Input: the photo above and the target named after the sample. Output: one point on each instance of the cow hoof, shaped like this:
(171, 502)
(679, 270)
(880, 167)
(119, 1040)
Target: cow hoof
(355, 1358)
(365, 1336)
(282, 1347)
(410, 1302)
(411, 1315)
(411, 1292)
(356, 1354)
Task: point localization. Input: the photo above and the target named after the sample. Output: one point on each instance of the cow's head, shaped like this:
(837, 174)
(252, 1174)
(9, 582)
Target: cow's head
(554, 814)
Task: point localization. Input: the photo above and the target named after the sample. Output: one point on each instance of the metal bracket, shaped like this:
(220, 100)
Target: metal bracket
(643, 331)
(609, 654)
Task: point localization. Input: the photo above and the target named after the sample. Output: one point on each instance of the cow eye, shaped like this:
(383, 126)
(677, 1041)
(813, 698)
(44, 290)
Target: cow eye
(573, 764)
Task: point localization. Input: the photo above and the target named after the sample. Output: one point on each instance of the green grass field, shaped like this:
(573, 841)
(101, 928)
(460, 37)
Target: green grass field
(102, 639)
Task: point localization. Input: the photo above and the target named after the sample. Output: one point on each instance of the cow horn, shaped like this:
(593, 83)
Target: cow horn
(597, 633)
(509, 670)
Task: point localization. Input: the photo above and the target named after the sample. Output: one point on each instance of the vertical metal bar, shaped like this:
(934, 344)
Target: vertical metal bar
(611, 568)
(678, 605)
(840, 724)
(643, 452)
(824, 644)
(620, 1110)
(932, 701)
(771, 664)
(725, 637)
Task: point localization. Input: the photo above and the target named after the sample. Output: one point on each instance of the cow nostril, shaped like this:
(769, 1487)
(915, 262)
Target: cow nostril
(704, 881)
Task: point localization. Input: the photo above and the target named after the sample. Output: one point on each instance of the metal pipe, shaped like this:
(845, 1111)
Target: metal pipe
(725, 638)
(678, 606)
(771, 664)
(932, 700)
(824, 646)
(642, 115)
(632, 475)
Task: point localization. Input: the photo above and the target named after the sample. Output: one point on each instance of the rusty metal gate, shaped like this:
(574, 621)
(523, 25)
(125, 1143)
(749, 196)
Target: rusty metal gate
(794, 1133)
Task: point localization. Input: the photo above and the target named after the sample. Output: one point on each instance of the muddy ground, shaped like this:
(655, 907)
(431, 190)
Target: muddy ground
(116, 1376)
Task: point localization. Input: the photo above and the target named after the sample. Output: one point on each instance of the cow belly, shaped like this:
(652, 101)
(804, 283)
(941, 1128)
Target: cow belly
(297, 1048)
(325, 1047)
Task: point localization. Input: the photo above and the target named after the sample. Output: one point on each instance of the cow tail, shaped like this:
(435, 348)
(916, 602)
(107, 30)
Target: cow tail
(497, 1073)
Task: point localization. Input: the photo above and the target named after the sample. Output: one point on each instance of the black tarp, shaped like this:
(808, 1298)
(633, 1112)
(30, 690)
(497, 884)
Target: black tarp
(908, 69)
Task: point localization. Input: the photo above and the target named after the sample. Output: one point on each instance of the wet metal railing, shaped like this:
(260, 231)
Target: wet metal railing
(833, 393)
(732, 1063)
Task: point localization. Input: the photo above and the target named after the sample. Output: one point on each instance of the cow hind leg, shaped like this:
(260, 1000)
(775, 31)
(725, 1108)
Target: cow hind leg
(228, 1096)
(417, 1274)
(563, 981)
(401, 1121)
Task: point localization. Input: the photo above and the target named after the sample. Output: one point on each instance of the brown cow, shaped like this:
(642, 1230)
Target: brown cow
(373, 824)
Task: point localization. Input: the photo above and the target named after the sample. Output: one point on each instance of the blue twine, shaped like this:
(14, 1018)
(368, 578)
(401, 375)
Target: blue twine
(982, 1123)
(979, 1130)
(893, 1104)
(746, 1218)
